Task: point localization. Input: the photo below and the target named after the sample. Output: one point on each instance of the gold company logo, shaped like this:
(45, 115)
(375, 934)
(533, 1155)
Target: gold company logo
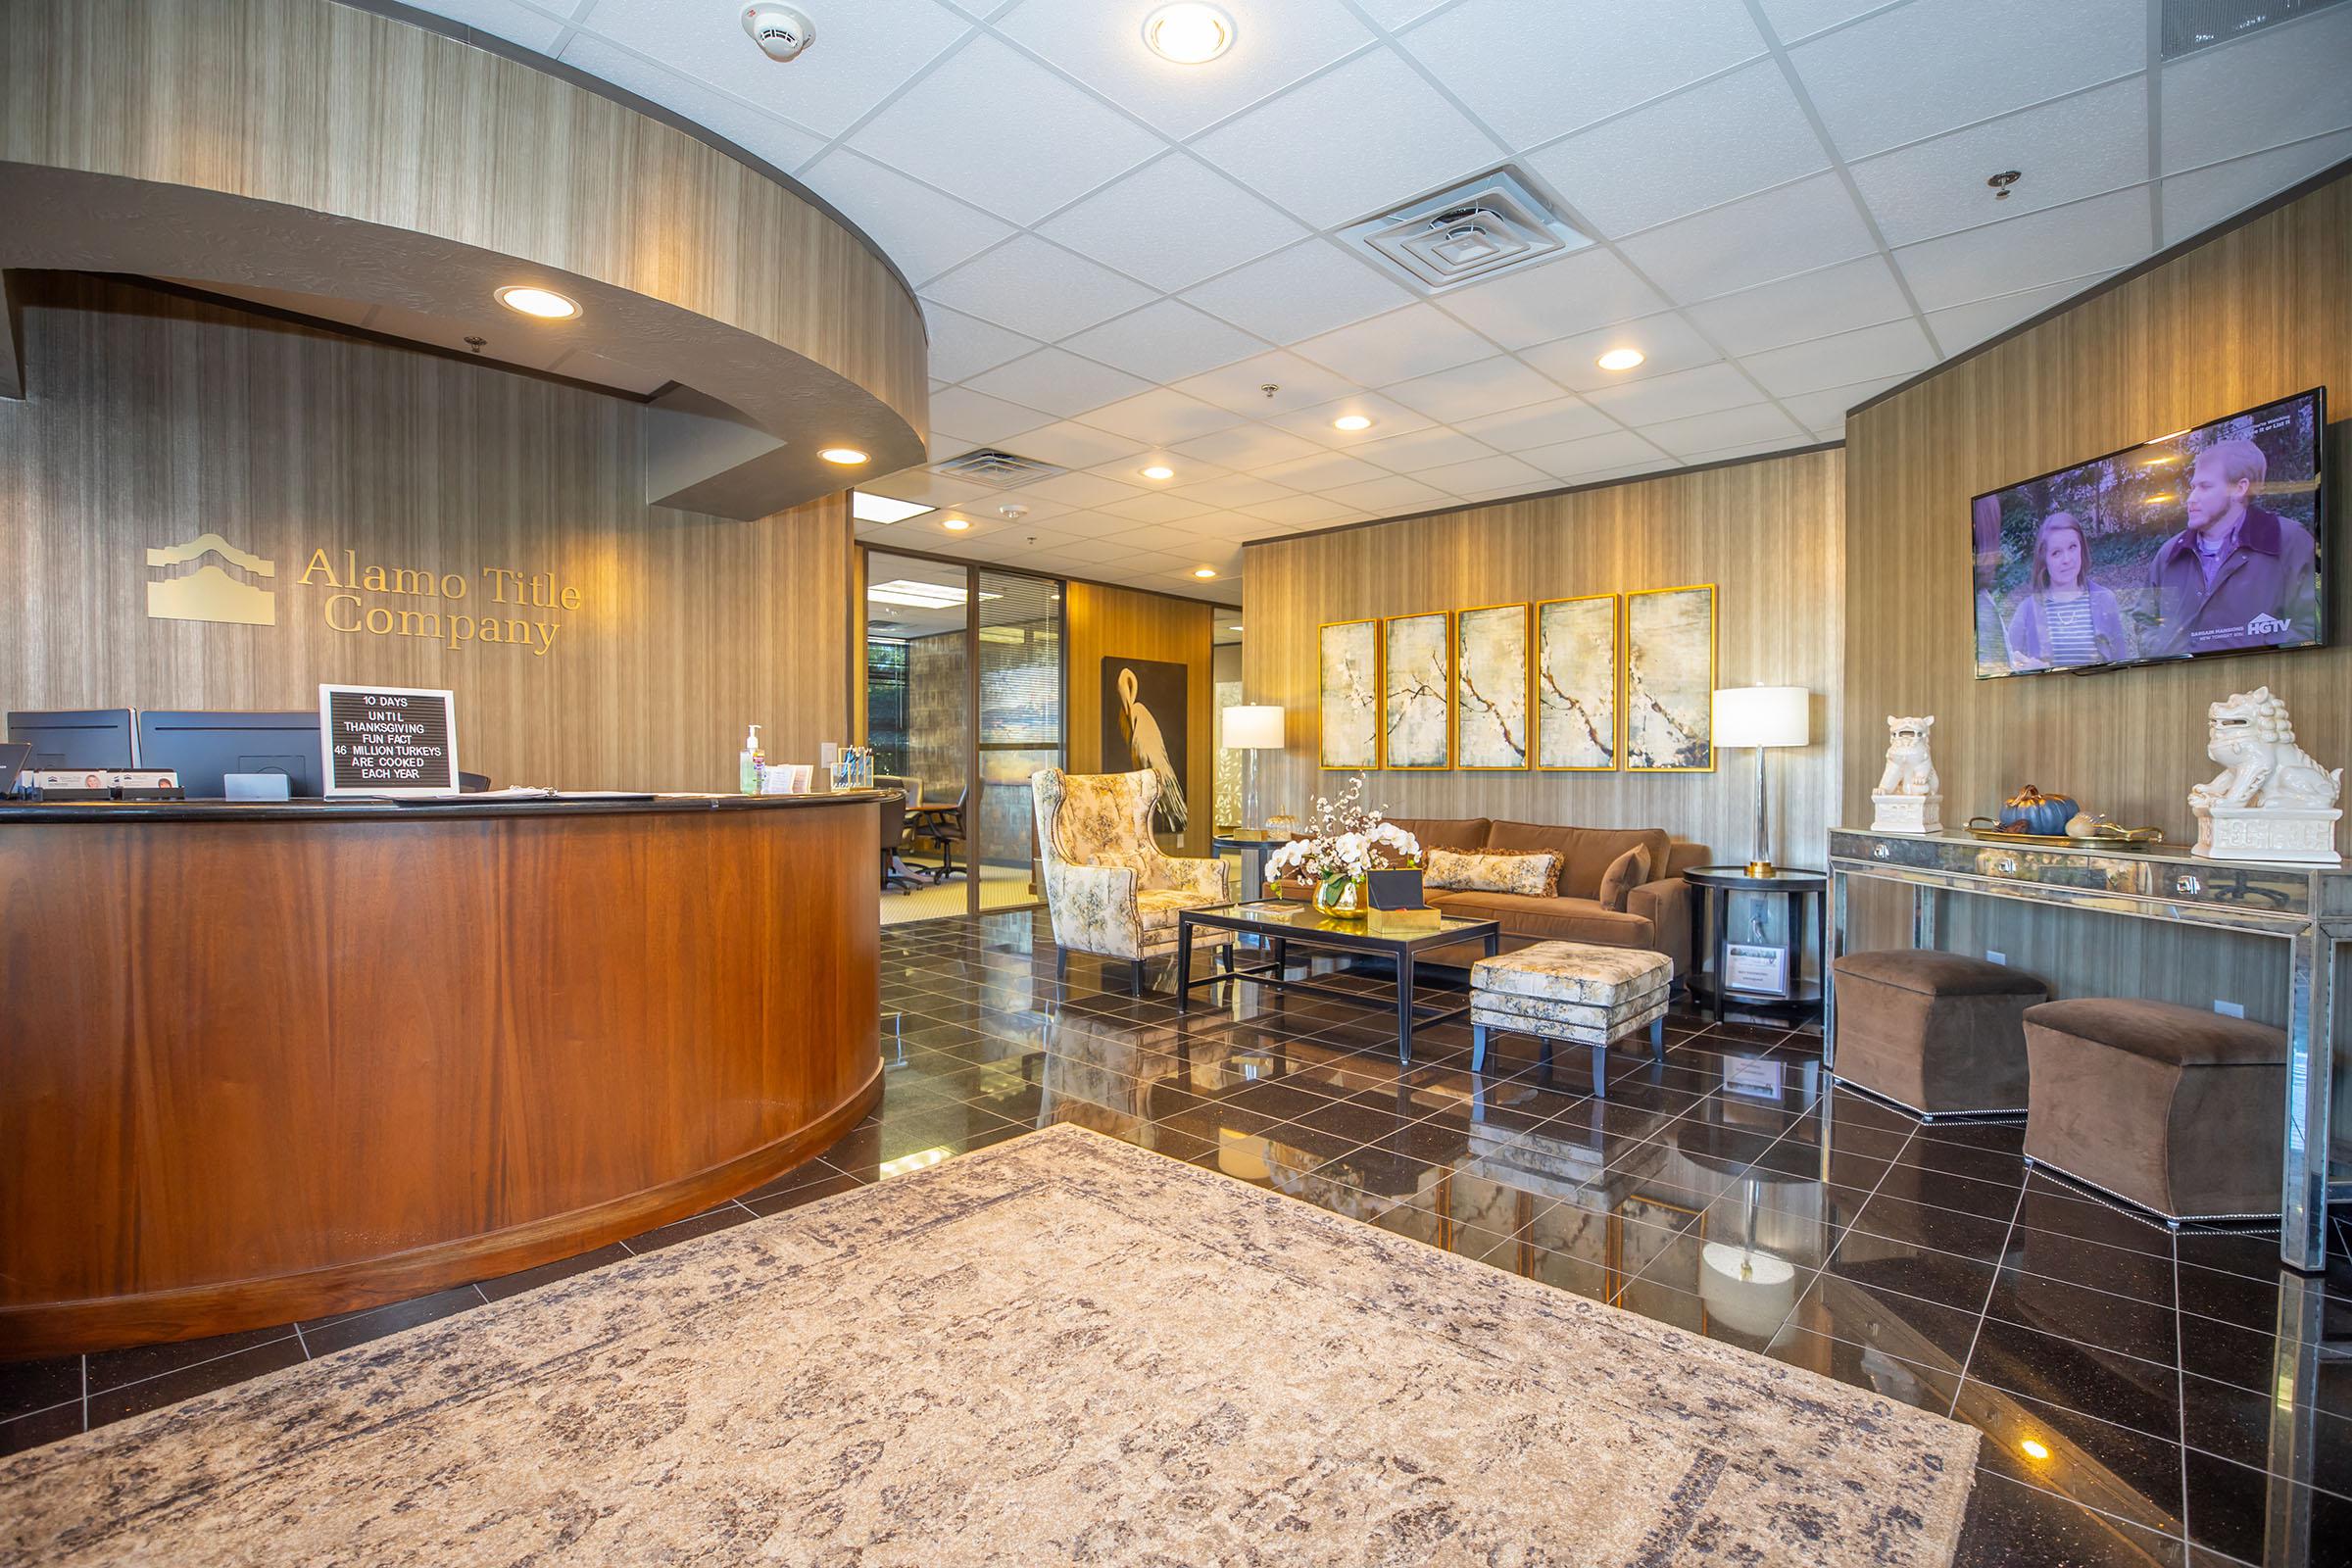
(209, 593)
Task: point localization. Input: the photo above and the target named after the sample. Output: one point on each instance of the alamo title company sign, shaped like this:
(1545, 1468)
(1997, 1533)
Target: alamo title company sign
(499, 606)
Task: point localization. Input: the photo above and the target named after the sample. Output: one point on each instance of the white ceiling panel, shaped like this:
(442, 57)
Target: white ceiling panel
(1298, 293)
(533, 30)
(1247, 447)
(1057, 382)
(1754, 240)
(930, 489)
(1242, 385)
(1161, 416)
(1481, 476)
(1982, 319)
(1125, 225)
(754, 131)
(1892, 348)
(1038, 290)
(1155, 507)
(1351, 142)
(963, 346)
(923, 231)
(1100, 42)
(1728, 428)
(2098, 235)
(1705, 390)
(1470, 391)
(1667, 343)
(1002, 132)
(1834, 298)
(2278, 85)
(1538, 68)
(1165, 341)
(1792, 19)
(1078, 490)
(983, 418)
(2086, 145)
(1575, 294)
(2196, 201)
(1388, 418)
(1233, 490)
(1323, 473)
(1067, 444)
(1719, 141)
(1538, 425)
(1577, 460)
(1932, 66)
(1422, 449)
(1826, 409)
(1298, 511)
(1388, 493)
(1398, 346)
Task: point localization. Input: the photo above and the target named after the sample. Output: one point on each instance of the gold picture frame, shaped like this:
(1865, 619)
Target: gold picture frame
(1407, 688)
(1349, 658)
(1485, 681)
(1549, 693)
(1666, 691)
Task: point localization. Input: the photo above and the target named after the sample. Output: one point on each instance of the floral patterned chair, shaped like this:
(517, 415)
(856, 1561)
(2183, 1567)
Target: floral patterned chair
(1109, 889)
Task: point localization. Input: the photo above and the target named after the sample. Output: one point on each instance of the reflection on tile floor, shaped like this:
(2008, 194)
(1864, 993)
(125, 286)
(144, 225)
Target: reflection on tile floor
(2146, 1399)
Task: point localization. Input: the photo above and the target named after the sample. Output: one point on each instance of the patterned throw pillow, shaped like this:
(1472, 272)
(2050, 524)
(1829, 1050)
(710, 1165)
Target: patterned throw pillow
(1533, 875)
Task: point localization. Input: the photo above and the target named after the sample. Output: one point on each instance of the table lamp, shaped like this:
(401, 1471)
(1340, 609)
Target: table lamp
(1763, 717)
(1252, 730)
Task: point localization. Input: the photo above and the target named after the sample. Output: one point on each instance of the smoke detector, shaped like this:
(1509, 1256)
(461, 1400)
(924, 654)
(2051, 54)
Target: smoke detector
(1490, 224)
(780, 32)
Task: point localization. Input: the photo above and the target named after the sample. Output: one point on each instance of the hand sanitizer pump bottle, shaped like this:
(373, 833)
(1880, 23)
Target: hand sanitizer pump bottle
(751, 763)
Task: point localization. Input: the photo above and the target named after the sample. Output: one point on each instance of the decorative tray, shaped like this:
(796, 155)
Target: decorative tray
(2142, 839)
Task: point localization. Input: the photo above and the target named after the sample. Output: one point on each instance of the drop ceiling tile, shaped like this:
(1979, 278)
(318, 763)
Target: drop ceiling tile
(1793, 230)
(1242, 386)
(1826, 409)
(2098, 235)
(983, 418)
(1103, 552)
(1323, 473)
(1172, 223)
(1003, 132)
(1964, 326)
(1892, 348)
(928, 488)
(1233, 490)
(1247, 446)
(2276, 86)
(1486, 477)
(1165, 341)
(1728, 428)
(505, 19)
(1392, 493)
(1422, 449)
(1161, 416)
(1057, 382)
(2195, 202)
(1297, 293)
(1834, 298)
(1227, 528)
(2086, 145)
(1353, 141)
(965, 345)
(1388, 418)
(1100, 42)
(1037, 288)
(1574, 294)
(1540, 424)
(1159, 509)
(1071, 445)
(1299, 511)
(1668, 343)
(760, 134)
(1933, 65)
(1752, 449)
(1469, 391)
(866, 53)
(1705, 390)
(1411, 342)
(1130, 470)
(1792, 19)
(1079, 490)
(1395, 14)
(923, 232)
(1159, 538)
(1715, 143)
(1539, 69)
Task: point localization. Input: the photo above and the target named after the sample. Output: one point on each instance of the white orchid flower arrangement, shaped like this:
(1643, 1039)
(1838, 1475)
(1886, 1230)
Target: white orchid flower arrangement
(1345, 841)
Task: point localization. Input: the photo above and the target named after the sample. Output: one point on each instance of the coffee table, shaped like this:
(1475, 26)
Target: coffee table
(1282, 922)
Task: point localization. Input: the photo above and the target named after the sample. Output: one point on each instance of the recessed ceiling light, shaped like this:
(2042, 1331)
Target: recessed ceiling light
(1620, 359)
(884, 509)
(1204, 571)
(955, 524)
(1160, 470)
(1233, 628)
(1352, 421)
(2034, 1448)
(544, 303)
(1189, 34)
(847, 456)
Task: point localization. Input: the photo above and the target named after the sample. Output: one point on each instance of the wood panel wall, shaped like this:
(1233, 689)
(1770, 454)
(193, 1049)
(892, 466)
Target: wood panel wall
(155, 419)
(1767, 533)
(1117, 623)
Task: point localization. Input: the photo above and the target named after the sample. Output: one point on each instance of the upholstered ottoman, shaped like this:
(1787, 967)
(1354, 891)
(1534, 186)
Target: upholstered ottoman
(1572, 990)
(1939, 1034)
(2171, 1109)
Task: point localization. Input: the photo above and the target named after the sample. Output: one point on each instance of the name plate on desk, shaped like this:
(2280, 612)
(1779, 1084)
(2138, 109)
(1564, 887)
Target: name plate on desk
(388, 740)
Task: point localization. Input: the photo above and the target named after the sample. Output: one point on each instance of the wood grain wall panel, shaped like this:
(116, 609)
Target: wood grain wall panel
(1767, 532)
(158, 418)
(1114, 622)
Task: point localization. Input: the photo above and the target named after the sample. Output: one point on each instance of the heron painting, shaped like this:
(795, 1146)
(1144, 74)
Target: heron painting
(1145, 717)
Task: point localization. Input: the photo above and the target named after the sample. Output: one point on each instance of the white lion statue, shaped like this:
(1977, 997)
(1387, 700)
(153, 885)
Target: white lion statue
(2254, 741)
(1909, 769)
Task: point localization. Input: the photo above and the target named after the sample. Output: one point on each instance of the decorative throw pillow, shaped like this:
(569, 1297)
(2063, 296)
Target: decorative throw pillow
(1532, 875)
(1625, 873)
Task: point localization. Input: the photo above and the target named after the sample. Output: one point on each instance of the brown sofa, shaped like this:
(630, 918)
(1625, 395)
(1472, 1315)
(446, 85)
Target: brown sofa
(1656, 914)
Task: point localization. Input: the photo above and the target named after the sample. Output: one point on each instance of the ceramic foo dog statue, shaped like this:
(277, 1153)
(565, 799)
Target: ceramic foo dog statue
(1909, 797)
(2272, 802)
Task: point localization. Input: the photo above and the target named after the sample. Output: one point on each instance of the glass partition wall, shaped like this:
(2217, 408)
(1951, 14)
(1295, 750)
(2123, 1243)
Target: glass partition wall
(964, 669)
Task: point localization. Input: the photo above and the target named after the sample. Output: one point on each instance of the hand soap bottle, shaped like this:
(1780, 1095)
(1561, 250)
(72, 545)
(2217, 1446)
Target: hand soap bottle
(751, 763)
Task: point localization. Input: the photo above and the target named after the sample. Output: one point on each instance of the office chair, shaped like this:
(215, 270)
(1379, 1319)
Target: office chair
(944, 825)
(894, 837)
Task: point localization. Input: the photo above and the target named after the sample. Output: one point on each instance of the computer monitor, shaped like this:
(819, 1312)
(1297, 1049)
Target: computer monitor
(78, 738)
(204, 746)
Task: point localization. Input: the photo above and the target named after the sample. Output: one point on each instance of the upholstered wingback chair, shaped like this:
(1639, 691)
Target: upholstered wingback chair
(1108, 887)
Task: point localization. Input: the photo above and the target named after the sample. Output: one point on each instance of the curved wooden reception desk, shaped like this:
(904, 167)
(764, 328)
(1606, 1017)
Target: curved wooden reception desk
(263, 1064)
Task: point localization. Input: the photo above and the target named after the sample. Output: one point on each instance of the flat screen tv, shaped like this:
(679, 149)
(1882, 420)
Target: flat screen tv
(2205, 541)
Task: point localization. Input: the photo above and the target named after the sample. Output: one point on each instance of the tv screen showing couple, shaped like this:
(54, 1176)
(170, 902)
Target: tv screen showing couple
(2206, 541)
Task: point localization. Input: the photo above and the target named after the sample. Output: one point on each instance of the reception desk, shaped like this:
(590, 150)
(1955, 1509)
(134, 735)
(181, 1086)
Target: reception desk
(260, 1063)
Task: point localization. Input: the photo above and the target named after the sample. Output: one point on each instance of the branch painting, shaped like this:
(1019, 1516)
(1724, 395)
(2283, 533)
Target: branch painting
(1418, 682)
(1489, 663)
(1351, 695)
(1670, 680)
(1576, 683)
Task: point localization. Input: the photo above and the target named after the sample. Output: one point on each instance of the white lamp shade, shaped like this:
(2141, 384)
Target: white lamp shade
(1254, 729)
(1762, 715)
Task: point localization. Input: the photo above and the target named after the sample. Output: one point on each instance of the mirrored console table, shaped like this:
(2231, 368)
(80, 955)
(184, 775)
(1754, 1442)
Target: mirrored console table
(2307, 908)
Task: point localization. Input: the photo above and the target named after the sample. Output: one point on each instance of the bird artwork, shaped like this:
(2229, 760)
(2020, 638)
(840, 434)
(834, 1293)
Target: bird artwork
(1154, 740)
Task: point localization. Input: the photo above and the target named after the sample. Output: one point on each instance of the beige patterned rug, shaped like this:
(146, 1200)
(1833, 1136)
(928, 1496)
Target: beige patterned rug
(1058, 1349)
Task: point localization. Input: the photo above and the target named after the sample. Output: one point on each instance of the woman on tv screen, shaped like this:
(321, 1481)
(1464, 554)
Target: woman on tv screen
(2067, 620)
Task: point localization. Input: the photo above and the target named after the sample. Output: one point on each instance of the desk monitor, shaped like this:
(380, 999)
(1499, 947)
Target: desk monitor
(204, 746)
(78, 738)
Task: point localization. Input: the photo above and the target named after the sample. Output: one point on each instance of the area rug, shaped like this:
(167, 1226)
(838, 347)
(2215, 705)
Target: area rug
(1061, 1349)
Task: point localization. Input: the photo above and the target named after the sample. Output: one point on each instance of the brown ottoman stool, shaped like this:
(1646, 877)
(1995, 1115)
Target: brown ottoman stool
(1938, 1033)
(2176, 1110)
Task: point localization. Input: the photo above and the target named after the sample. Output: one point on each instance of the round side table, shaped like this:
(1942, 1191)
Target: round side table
(1711, 889)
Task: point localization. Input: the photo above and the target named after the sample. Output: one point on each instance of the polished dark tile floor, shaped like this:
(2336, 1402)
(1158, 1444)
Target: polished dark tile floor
(2146, 1398)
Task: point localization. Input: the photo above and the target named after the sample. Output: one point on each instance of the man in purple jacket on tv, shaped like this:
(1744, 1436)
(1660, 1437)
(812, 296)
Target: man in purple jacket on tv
(2239, 575)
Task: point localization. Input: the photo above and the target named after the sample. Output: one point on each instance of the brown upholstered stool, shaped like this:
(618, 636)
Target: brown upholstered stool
(2167, 1108)
(1938, 1033)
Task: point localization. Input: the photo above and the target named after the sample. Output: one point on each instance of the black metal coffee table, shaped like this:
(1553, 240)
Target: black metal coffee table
(1282, 922)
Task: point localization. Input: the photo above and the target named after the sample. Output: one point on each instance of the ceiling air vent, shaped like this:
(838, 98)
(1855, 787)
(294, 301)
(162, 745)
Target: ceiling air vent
(999, 471)
(1486, 226)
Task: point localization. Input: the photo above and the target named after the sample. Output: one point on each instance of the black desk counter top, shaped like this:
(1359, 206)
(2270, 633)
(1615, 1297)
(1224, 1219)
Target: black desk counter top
(425, 810)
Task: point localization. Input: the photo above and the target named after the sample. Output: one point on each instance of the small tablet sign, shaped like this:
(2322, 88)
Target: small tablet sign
(388, 740)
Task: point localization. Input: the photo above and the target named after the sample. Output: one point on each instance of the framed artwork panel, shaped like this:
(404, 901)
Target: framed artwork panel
(1348, 723)
(1575, 684)
(1669, 686)
(1416, 691)
(1490, 724)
